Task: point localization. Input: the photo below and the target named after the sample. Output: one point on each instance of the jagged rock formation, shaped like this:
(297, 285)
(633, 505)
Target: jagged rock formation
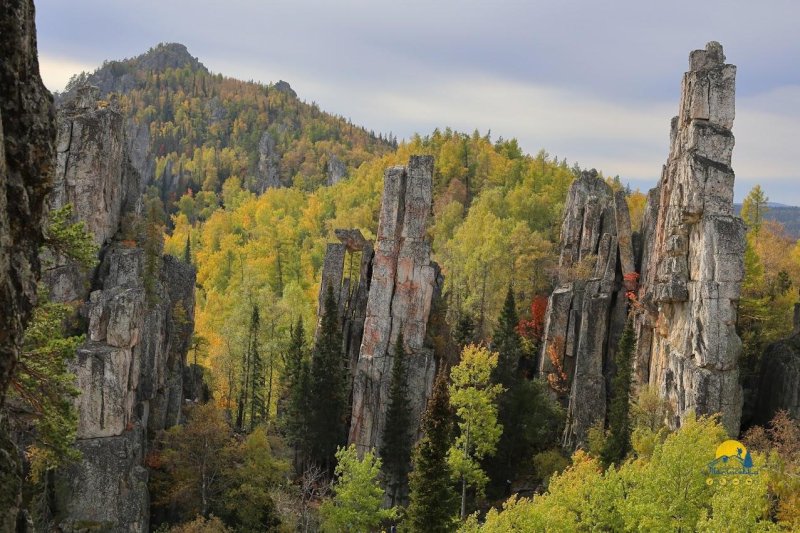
(139, 308)
(401, 290)
(335, 170)
(350, 291)
(268, 170)
(692, 258)
(587, 311)
(780, 377)
(27, 150)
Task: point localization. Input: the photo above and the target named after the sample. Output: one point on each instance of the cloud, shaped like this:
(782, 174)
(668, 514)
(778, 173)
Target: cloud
(56, 72)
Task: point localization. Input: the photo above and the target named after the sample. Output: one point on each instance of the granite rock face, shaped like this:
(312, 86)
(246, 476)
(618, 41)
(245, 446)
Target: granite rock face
(130, 369)
(335, 170)
(692, 257)
(27, 153)
(780, 377)
(588, 309)
(268, 170)
(401, 289)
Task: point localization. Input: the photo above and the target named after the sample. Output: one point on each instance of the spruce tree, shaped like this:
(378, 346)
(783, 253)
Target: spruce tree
(328, 388)
(395, 449)
(187, 252)
(257, 405)
(529, 419)
(464, 333)
(433, 502)
(296, 386)
(618, 442)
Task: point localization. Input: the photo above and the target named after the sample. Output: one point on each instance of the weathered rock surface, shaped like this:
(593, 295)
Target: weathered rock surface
(130, 369)
(692, 263)
(780, 377)
(335, 170)
(401, 290)
(588, 310)
(268, 170)
(27, 148)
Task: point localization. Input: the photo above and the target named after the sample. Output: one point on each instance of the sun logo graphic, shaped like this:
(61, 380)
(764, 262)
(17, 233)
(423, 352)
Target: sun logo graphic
(732, 463)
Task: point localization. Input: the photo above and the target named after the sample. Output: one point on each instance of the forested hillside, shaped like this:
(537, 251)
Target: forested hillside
(496, 218)
(239, 386)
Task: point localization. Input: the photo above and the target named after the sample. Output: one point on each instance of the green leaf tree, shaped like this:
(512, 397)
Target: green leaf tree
(754, 207)
(473, 397)
(357, 504)
(432, 499)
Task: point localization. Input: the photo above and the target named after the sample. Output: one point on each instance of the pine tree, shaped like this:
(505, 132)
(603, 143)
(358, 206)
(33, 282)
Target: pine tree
(328, 388)
(433, 502)
(618, 442)
(395, 450)
(508, 344)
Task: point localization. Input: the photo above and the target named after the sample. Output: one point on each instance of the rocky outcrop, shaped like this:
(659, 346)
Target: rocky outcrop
(350, 288)
(692, 264)
(779, 387)
(268, 169)
(335, 170)
(139, 307)
(588, 310)
(27, 148)
(401, 290)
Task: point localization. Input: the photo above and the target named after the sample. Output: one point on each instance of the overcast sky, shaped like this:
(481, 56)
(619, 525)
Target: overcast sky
(596, 82)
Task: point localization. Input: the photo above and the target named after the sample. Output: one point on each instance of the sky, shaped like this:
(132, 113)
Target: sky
(595, 82)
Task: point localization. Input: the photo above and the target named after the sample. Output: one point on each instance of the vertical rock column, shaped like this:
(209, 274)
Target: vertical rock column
(693, 261)
(400, 295)
(587, 311)
(27, 152)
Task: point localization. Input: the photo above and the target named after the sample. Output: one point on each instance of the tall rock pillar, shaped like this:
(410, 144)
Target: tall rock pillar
(400, 294)
(692, 261)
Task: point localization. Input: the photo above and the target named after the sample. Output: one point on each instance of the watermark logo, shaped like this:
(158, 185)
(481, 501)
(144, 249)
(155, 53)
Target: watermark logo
(732, 464)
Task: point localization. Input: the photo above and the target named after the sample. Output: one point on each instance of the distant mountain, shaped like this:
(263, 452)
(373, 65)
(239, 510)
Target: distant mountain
(197, 129)
(788, 215)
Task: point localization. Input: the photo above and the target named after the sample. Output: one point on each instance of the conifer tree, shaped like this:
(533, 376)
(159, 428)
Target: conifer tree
(531, 420)
(618, 442)
(433, 501)
(464, 333)
(297, 390)
(257, 406)
(328, 388)
(187, 252)
(395, 450)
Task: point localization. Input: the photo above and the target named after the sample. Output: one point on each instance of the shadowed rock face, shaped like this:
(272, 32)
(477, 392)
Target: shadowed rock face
(780, 377)
(27, 152)
(692, 264)
(130, 369)
(587, 311)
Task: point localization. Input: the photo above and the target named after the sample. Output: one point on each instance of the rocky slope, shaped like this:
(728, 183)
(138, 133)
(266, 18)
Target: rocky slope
(27, 150)
(139, 307)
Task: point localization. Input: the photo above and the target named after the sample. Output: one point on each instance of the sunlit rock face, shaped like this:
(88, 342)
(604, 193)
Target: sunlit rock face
(587, 311)
(692, 260)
